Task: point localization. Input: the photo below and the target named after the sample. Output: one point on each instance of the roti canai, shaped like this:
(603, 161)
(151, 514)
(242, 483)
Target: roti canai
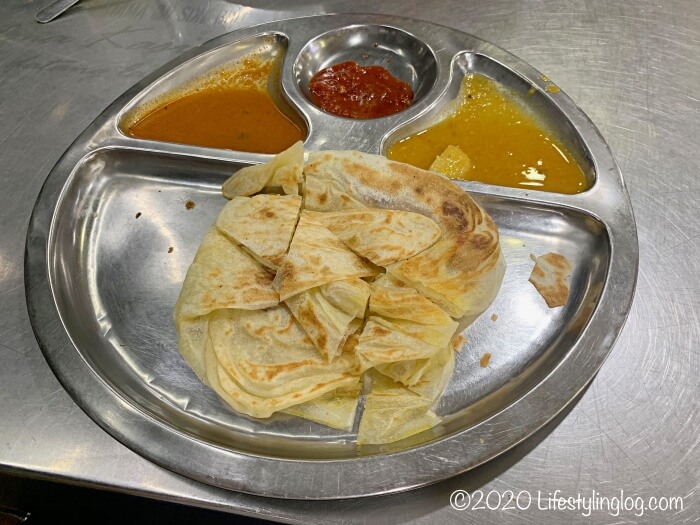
(321, 274)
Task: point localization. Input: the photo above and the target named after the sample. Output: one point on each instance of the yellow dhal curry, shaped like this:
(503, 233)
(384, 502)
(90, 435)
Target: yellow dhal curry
(489, 138)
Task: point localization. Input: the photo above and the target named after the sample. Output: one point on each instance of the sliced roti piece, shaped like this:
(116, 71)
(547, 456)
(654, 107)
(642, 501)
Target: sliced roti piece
(408, 373)
(224, 276)
(426, 377)
(335, 409)
(266, 363)
(264, 224)
(323, 192)
(409, 311)
(435, 376)
(317, 257)
(462, 271)
(382, 236)
(381, 342)
(550, 276)
(351, 340)
(349, 295)
(461, 293)
(283, 172)
(326, 325)
(392, 412)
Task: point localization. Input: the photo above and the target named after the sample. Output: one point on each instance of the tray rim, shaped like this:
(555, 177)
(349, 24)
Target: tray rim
(68, 364)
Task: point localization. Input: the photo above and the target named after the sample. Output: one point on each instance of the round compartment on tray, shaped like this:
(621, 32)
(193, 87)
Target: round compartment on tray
(405, 57)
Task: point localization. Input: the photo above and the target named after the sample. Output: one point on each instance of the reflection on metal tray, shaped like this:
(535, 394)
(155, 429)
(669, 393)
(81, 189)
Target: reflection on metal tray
(110, 241)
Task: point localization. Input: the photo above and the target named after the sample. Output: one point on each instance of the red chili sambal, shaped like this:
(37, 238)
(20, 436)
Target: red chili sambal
(361, 92)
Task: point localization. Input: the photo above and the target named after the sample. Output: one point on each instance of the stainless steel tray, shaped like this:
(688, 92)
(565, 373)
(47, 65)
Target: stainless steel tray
(101, 282)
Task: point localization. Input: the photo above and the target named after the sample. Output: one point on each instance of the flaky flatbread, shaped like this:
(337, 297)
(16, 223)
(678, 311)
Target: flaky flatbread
(349, 295)
(266, 363)
(264, 224)
(317, 257)
(283, 173)
(410, 312)
(335, 409)
(330, 313)
(224, 276)
(435, 375)
(403, 309)
(382, 236)
(463, 270)
(381, 342)
(326, 325)
(371, 270)
(392, 412)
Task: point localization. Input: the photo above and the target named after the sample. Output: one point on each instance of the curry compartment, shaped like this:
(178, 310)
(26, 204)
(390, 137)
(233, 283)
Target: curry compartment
(229, 98)
(404, 56)
(509, 110)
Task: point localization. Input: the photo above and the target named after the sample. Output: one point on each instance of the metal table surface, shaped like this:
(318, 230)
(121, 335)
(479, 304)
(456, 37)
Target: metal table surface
(632, 66)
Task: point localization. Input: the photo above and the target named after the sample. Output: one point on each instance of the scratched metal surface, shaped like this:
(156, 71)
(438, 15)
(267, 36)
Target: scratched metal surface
(632, 67)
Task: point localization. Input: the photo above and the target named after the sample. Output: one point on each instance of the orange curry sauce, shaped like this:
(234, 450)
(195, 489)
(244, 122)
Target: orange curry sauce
(360, 92)
(231, 109)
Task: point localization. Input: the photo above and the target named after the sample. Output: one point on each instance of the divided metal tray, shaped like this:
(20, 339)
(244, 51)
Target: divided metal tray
(110, 241)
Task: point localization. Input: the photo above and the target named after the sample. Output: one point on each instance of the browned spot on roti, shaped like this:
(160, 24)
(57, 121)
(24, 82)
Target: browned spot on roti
(276, 260)
(254, 372)
(286, 272)
(455, 212)
(287, 328)
(351, 343)
(264, 279)
(404, 170)
(272, 371)
(380, 331)
(363, 173)
(311, 322)
(485, 360)
(480, 242)
(328, 383)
